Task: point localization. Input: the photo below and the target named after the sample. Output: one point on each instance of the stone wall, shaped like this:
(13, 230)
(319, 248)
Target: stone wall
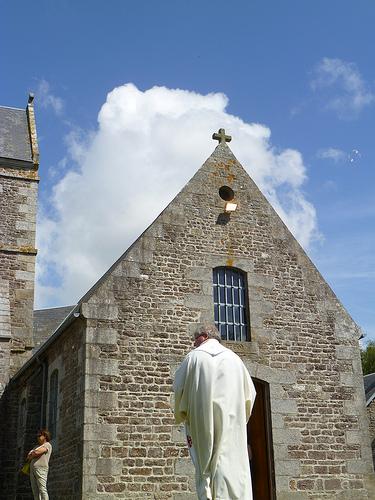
(19, 161)
(66, 355)
(371, 417)
(116, 436)
(303, 343)
(18, 196)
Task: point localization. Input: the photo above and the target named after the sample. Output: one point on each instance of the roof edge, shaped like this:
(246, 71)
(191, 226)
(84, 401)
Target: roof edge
(32, 131)
(16, 163)
(12, 107)
(72, 316)
(371, 399)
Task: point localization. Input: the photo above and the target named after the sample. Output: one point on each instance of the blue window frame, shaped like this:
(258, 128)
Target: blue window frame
(230, 303)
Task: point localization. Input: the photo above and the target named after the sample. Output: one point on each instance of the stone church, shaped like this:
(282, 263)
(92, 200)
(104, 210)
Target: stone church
(99, 374)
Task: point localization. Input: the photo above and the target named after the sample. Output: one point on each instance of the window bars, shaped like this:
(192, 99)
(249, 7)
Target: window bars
(230, 303)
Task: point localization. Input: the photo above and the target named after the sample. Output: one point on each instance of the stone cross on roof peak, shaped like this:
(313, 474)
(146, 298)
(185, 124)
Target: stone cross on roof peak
(221, 137)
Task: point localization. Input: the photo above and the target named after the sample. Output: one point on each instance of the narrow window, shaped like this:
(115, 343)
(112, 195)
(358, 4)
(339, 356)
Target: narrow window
(22, 416)
(52, 407)
(21, 429)
(230, 303)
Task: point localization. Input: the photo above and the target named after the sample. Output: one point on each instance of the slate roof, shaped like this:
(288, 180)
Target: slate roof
(46, 321)
(369, 383)
(14, 134)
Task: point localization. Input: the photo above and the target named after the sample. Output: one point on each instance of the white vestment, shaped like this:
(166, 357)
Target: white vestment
(214, 396)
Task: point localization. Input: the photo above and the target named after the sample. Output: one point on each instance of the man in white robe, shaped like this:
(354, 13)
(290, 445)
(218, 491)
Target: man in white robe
(214, 396)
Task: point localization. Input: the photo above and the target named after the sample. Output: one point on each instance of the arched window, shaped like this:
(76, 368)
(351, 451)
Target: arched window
(53, 401)
(230, 303)
(22, 416)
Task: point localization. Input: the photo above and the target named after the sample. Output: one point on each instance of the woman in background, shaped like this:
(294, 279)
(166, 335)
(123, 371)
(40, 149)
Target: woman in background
(39, 458)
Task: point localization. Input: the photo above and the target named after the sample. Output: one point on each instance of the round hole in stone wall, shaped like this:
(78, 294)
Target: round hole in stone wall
(226, 193)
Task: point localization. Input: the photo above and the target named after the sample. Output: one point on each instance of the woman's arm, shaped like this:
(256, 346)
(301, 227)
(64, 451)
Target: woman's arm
(37, 452)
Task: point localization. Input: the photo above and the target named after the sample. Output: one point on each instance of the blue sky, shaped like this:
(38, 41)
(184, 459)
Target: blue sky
(303, 70)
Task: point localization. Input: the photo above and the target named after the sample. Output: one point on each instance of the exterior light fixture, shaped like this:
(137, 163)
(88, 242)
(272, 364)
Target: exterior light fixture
(230, 207)
(226, 193)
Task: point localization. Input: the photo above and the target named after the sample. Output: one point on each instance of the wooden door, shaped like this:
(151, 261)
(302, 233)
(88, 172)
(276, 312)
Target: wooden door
(259, 436)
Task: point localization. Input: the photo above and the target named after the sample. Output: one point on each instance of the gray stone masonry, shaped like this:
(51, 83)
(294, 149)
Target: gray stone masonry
(371, 417)
(18, 203)
(116, 432)
(303, 343)
(66, 355)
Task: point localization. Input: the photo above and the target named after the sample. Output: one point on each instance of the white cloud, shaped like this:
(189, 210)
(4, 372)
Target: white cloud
(337, 155)
(147, 146)
(47, 99)
(350, 93)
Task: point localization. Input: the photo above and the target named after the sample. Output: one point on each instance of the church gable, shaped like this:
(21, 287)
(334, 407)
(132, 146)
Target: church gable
(253, 237)
(301, 345)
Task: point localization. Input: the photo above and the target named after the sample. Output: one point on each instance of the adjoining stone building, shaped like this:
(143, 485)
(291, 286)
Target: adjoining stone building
(102, 380)
(369, 384)
(19, 160)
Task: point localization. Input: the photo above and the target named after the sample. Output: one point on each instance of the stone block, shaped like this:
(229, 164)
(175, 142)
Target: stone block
(4, 308)
(351, 408)
(140, 254)
(357, 365)
(291, 495)
(353, 437)
(108, 466)
(284, 406)
(91, 382)
(101, 399)
(345, 352)
(359, 467)
(99, 311)
(184, 496)
(89, 466)
(156, 230)
(89, 485)
(332, 484)
(350, 379)
(90, 415)
(270, 375)
(277, 421)
(91, 450)
(101, 336)
(202, 273)
(178, 434)
(104, 366)
(25, 226)
(277, 391)
(184, 466)
(280, 452)
(286, 436)
(127, 269)
(25, 276)
(100, 432)
(261, 309)
(196, 301)
(287, 467)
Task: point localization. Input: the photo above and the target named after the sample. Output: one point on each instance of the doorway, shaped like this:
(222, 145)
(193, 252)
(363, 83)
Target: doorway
(259, 439)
